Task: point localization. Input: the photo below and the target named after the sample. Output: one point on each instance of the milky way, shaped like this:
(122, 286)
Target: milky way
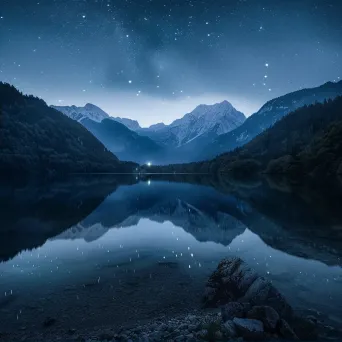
(154, 60)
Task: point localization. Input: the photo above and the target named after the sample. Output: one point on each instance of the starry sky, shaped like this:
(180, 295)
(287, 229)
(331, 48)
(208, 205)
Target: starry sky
(155, 60)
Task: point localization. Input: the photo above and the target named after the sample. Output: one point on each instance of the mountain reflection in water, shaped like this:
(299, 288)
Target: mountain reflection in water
(107, 246)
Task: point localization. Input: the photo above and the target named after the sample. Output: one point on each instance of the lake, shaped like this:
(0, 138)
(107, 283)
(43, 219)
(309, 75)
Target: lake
(116, 251)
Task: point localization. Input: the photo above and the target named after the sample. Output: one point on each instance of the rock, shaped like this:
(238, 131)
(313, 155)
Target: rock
(262, 292)
(218, 335)
(202, 334)
(48, 322)
(249, 329)
(305, 328)
(234, 309)
(267, 315)
(235, 281)
(228, 329)
(192, 327)
(286, 331)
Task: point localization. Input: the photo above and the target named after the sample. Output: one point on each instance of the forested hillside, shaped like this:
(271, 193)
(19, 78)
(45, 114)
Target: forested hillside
(37, 139)
(307, 141)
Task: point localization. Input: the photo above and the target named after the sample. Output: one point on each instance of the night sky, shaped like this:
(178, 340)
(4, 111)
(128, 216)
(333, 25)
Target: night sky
(154, 60)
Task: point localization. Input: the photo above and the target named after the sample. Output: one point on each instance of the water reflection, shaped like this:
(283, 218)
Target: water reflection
(111, 254)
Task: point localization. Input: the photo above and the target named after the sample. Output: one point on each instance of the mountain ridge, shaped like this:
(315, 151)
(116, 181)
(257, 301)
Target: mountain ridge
(271, 112)
(199, 121)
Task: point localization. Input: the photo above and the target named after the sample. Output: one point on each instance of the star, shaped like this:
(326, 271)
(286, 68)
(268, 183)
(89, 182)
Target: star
(266, 65)
(130, 81)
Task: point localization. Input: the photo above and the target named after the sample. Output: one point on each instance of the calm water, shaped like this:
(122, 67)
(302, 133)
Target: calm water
(113, 252)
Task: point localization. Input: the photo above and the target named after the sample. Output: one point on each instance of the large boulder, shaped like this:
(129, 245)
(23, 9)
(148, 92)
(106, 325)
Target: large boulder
(249, 329)
(267, 315)
(234, 309)
(235, 281)
(229, 330)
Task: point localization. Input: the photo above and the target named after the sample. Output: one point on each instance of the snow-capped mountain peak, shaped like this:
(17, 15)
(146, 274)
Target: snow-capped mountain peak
(204, 118)
(89, 111)
(92, 112)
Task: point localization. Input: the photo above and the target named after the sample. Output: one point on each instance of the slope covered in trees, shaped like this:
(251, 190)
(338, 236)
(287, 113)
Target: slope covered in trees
(306, 141)
(37, 139)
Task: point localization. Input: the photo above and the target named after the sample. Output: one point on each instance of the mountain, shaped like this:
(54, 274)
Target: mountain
(322, 156)
(38, 139)
(306, 142)
(131, 124)
(267, 116)
(117, 134)
(222, 117)
(157, 127)
(92, 112)
(126, 144)
(158, 143)
(89, 111)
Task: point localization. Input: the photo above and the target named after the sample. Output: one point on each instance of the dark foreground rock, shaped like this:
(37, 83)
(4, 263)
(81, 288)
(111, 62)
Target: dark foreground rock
(267, 315)
(249, 329)
(235, 281)
(234, 309)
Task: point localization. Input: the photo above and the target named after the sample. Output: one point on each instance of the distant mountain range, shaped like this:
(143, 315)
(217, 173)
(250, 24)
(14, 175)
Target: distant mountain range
(159, 142)
(220, 117)
(267, 116)
(305, 143)
(40, 137)
(207, 131)
(92, 112)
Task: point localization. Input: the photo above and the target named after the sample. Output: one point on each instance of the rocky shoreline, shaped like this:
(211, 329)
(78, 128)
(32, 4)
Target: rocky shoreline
(245, 307)
(238, 305)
